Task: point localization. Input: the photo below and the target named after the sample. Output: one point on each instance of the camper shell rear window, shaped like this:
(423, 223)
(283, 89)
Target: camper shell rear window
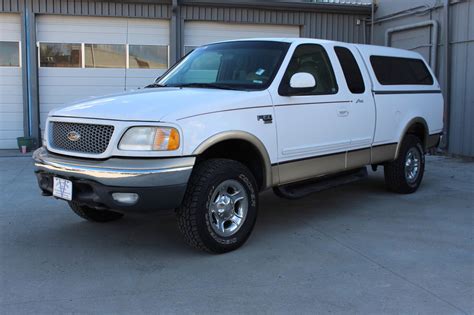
(401, 71)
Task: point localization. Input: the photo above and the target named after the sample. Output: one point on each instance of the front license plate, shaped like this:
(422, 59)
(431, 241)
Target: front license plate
(62, 188)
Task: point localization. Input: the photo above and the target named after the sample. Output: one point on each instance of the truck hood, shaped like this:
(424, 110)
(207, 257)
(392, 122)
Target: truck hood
(163, 104)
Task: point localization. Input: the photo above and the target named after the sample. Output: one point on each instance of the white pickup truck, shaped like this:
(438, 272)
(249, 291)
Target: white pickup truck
(235, 118)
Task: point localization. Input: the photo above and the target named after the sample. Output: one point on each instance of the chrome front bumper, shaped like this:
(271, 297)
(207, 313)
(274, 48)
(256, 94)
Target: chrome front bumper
(120, 172)
(160, 183)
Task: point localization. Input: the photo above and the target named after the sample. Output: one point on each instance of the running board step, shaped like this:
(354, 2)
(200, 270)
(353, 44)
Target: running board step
(302, 189)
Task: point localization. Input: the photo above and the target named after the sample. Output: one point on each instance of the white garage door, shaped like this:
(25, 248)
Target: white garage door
(11, 99)
(417, 39)
(201, 33)
(82, 57)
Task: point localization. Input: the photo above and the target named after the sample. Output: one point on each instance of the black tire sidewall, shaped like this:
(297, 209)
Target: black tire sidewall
(214, 242)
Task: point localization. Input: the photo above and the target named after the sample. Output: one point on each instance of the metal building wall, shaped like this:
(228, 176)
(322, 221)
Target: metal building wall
(461, 122)
(10, 6)
(327, 25)
(103, 8)
(460, 67)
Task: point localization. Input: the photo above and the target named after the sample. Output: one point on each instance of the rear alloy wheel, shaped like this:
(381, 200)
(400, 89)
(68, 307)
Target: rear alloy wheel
(404, 174)
(219, 208)
(94, 215)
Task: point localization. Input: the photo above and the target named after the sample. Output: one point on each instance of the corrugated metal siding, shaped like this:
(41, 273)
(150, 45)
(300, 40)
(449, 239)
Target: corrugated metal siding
(10, 6)
(314, 25)
(356, 2)
(461, 102)
(102, 8)
(461, 131)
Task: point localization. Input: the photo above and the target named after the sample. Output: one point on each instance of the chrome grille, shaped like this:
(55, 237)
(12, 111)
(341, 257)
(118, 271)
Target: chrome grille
(86, 138)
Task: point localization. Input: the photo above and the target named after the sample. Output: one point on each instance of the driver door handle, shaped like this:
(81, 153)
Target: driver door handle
(342, 112)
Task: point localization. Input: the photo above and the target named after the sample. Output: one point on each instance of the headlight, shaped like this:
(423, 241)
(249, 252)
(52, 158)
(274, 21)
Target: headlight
(150, 139)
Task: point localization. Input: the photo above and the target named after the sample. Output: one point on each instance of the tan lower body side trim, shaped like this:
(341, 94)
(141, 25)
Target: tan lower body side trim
(358, 158)
(383, 153)
(299, 170)
(309, 168)
(432, 141)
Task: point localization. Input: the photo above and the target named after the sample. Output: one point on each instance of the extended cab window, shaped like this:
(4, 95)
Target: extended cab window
(400, 71)
(312, 59)
(351, 70)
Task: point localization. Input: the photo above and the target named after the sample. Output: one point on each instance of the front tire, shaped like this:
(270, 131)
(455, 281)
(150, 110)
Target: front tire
(219, 208)
(94, 215)
(404, 174)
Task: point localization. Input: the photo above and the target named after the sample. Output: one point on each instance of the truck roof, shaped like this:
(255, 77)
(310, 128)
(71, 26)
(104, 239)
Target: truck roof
(363, 48)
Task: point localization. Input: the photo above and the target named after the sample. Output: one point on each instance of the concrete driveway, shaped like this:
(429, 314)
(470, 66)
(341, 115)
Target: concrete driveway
(354, 249)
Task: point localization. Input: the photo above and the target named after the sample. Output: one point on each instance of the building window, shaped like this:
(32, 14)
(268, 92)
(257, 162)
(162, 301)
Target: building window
(351, 70)
(400, 71)
(104, 56)
(60, 55)
(9, 54)
(148, 57)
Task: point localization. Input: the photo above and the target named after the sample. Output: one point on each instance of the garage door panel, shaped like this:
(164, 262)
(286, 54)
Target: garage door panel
(10, 80)
(148, 32)
(8, 137)
(137, 83)
(10, 29)
(10, 143)
(11, 93)
(80, 72)
(16, 99)
(10, 75)
(62, 86)
(81, 29)
(104, 38)
(11, 121)
(417, 39)
(12, 134)
(56, 95)
(138, 78)
(11, 88)
(71, 81)
(6, 107)
(200, 33)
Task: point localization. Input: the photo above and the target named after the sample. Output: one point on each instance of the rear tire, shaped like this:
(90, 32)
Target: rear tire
(219, 209)
(94, 215)
(404, 175)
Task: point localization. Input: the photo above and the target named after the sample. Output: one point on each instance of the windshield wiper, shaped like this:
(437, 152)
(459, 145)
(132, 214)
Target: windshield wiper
(207, 85)
(155, 85)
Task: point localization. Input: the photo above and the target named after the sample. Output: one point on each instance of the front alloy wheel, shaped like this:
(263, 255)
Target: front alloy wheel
(228, 208)
(219, 208)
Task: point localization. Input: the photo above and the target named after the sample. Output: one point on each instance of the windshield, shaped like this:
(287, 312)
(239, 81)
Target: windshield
(242, 65)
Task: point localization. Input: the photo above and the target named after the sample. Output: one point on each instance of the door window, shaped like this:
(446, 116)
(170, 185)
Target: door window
(351, 70)
(312, 59)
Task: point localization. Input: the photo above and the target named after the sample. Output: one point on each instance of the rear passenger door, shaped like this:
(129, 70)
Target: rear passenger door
(361, 122)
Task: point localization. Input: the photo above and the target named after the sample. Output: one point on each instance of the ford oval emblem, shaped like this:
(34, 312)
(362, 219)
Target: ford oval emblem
(73, 136)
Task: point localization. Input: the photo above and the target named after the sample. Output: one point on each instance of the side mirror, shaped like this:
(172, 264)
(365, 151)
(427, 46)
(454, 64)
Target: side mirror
(302, 80)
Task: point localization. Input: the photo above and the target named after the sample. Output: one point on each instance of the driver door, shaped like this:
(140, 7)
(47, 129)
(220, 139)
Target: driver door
(313, 128)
